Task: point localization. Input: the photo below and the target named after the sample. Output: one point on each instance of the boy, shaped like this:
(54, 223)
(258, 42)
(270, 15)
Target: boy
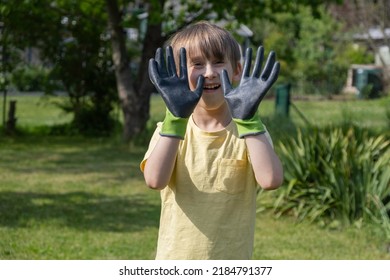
(212, 150)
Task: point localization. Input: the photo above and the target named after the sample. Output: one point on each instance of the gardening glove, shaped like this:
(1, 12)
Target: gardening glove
(244, 100)
(179, 99)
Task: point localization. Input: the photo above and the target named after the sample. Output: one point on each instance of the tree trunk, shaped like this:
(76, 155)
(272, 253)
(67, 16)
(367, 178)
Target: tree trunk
(153, 39)
(144, 88)
(124, 82)
(134, 96)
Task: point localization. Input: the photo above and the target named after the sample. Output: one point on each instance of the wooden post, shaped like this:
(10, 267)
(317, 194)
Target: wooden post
(11, 122)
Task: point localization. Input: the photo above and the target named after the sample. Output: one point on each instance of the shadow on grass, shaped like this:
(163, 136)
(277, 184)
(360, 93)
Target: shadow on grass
(79, 210)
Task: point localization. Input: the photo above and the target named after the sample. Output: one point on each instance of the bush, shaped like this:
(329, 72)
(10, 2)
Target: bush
(93, 121)
(338, 173)
(29, 78)
(34, 78)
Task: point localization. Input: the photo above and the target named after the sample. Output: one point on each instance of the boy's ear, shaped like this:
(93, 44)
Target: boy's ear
(237, 73)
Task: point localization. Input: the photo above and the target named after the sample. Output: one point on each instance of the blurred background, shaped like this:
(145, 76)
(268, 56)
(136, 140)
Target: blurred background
(96, 52)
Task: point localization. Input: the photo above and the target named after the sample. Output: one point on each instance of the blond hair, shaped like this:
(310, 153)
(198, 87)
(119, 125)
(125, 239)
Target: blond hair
(211, 40)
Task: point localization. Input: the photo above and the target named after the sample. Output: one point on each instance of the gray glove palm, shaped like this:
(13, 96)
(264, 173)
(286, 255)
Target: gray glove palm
(178, 97)
(244, 100)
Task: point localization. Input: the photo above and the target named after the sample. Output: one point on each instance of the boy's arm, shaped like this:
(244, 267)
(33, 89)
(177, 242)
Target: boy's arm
(265, 163)
(243, 103)
(160, 163)
(180, 102)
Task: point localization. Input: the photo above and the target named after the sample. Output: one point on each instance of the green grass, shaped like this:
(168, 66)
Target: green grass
(39, 111)
(366, 113)
(284, 239)
(74, 199)
(85, 198)
(32, 110)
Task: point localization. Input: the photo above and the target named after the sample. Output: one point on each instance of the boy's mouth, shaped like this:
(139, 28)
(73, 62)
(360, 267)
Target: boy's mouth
(211, 86)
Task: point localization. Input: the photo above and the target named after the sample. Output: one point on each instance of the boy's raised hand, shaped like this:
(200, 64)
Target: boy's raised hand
(174, 90)
(244, 100)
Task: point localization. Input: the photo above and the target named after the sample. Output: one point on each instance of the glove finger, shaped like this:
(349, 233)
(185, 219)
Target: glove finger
(226, 85)
(153, 71)
(269, 65)
(247, 63)
(199, 86)
(171, 62)
(159, 58)
(258, 62)
(183, 63)
(274, 74)
(271, 80)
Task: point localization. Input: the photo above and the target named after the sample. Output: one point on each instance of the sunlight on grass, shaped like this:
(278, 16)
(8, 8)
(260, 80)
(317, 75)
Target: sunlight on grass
(286, 239)
(35, 110)
(368, 113)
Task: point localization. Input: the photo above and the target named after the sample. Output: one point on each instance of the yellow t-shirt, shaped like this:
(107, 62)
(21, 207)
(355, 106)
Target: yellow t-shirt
(208, 208)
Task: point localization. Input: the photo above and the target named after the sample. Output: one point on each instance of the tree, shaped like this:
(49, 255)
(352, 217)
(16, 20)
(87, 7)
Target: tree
(70, 37)
(308, 47)
(134, 96)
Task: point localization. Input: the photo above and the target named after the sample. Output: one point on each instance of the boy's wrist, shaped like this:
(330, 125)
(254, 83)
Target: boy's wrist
(252, 126)
(173, 126)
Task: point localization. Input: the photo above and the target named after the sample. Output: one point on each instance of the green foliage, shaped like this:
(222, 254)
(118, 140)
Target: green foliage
(318, 69)
(91, 121)
(281, 38)
(308, 49)
(354, 54)
(75, 44)
(340, 173)
(30, 78)
(85, 67)
(388, 115)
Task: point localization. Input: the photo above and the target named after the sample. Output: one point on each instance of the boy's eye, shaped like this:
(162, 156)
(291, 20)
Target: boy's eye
(197, 64)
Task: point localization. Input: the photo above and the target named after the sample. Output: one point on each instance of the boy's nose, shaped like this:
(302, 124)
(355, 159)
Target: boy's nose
(211, 72)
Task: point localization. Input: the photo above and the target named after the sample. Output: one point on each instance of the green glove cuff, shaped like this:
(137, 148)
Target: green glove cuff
(173, 126)
(252, 126)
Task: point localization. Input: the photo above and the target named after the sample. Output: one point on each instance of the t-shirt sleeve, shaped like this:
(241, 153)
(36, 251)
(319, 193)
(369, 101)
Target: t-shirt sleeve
(152, 144)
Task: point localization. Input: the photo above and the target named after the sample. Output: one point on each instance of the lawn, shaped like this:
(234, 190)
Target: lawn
(84, 198)
(64, 198)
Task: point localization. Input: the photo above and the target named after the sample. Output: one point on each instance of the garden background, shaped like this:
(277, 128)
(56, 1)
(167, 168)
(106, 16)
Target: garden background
(70, 148)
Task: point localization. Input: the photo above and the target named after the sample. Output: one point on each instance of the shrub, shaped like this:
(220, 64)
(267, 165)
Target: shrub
(338, 173)
(94, 121)
(29, 78)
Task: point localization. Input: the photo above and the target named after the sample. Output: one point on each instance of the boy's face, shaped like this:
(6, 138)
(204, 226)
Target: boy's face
(211, 69)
